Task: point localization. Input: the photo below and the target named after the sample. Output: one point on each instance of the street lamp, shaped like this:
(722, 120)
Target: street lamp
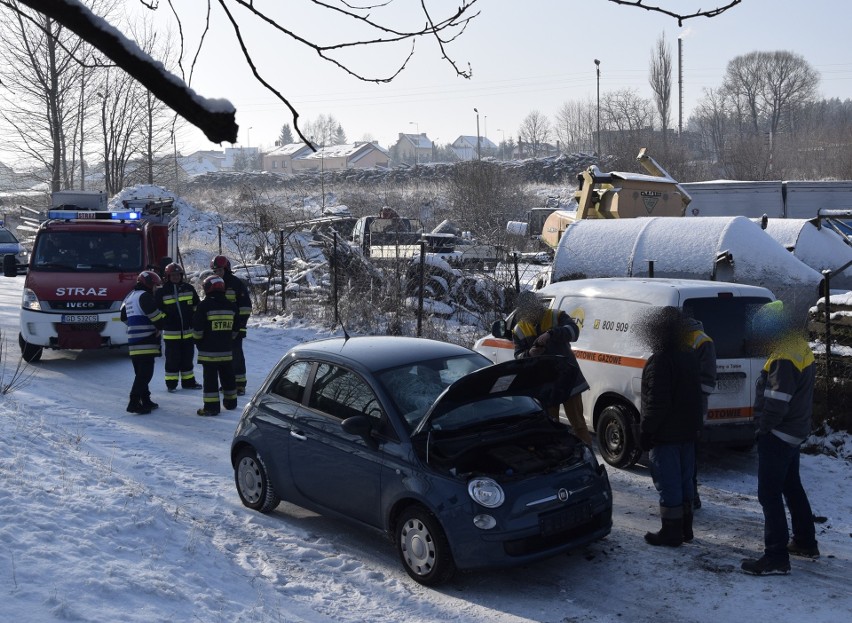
(248, 140)
(417, 144)
(478, 140)
(598, 70)
(502, 144)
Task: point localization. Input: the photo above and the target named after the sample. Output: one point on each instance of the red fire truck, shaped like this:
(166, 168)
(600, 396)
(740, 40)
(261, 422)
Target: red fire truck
(83, 263)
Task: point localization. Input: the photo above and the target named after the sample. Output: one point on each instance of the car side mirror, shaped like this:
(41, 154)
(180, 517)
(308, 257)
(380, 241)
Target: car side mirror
(362, 426)
(10, 267)
(498, 329)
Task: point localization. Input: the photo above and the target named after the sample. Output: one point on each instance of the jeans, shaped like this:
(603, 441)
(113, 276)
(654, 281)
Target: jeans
(778, 481)
(672, 468)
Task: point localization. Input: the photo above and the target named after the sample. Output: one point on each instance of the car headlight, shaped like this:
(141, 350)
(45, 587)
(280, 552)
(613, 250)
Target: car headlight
(30, 300)
(486, 492)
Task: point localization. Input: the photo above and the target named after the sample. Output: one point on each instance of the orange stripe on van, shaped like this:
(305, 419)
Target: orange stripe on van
(616, 360)
(498, 343)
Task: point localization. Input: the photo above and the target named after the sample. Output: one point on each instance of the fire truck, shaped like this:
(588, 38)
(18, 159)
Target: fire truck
(84, 261)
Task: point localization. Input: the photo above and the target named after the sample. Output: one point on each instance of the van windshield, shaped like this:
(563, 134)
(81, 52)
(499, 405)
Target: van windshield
(727, 321)
(97, 252)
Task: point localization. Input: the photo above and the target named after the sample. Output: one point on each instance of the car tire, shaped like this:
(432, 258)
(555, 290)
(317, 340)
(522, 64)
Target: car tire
(616, 439)
(423, 547)
(252, 480)
(29, 352)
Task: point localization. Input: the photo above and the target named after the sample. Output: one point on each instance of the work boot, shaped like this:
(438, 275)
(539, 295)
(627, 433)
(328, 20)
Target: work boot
(671, 533)
(206, 412)
(229, 403)
(241, 390)
(192, 385)
(803, 552)
(171, 387)
(687, 521)
(147, 404)
(135, 406)
(765, 566)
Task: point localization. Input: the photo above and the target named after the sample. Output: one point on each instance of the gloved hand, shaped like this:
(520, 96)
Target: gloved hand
(536, 351)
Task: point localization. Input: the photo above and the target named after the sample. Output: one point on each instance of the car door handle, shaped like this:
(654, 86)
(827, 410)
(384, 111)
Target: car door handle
(298, 436)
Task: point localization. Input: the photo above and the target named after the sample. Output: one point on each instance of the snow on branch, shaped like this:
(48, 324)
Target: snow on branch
(215, 117)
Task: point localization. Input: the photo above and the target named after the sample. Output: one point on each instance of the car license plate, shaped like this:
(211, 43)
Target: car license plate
(729, 386)
(564, 519)
(78, 318)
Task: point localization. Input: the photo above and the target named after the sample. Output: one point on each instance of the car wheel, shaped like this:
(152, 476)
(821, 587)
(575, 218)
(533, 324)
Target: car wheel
(616, 441)
(30, 352)
(253, 485)
(423, 547)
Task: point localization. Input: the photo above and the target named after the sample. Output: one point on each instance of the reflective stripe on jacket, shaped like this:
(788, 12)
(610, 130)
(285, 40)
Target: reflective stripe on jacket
(142, 316)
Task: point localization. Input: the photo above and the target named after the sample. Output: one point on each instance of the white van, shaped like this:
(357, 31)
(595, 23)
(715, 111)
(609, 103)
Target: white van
(612, 358)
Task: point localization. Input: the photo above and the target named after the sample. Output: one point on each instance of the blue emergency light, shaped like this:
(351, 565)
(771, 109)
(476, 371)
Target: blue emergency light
(80, 215)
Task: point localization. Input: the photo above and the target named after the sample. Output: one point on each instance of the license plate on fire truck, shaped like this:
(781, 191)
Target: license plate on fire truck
(78, 318)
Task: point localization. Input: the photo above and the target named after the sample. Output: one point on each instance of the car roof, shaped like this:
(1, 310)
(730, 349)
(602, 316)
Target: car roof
(378, 352)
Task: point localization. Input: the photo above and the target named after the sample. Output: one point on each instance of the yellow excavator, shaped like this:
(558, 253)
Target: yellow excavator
(620, 195)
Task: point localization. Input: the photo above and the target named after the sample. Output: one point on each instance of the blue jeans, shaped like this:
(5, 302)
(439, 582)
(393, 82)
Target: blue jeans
(673, 468)
(778, 481)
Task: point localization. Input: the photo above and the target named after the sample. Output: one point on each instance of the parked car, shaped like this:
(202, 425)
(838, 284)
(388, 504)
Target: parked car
(9, 245)
(452, 457)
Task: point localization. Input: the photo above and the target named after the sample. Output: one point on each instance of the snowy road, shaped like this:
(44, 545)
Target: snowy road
(107, 516)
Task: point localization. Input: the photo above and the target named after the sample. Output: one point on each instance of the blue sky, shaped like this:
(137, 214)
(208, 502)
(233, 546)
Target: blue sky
(535, 54)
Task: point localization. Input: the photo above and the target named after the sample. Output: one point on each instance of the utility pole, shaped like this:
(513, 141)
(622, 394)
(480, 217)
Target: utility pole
(478, 140)
(598, 69)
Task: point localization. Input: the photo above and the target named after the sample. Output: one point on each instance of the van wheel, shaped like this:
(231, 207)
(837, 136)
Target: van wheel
(29, 352)
(616, 441)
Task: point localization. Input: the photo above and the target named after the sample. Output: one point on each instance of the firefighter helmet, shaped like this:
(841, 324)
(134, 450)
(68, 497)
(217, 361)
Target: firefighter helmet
(220, 261)
(149, 279)
(214, 283)
(173, 269)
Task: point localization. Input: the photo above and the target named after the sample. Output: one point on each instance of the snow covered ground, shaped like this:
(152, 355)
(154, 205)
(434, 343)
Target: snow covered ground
(107, 516)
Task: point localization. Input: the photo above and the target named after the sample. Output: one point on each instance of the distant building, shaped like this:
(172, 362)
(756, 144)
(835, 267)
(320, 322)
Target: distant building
(200, 162)
(337, 157)
(280, 159)
(412, 148)
(471, 147)
(241, 159)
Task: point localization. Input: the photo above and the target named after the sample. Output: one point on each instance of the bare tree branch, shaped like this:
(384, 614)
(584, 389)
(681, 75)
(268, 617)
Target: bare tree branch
(217, 119)
(680, 17)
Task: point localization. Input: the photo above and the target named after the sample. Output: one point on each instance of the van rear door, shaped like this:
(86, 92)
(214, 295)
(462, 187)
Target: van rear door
(726, 319)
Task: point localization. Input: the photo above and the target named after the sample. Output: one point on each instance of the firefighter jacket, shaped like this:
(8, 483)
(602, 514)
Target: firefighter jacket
(238, 293)
(178, 302)
(783, 402)
(143, 318)
(563, 330)
(704, 347)
(214, 326)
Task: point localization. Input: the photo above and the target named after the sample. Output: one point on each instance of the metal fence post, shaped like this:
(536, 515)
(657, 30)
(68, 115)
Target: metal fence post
(420, 289)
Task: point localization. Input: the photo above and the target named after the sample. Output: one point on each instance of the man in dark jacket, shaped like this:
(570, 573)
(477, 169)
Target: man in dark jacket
(783, 408)
(237, 293)
(543, 331)
(143, 318)
(178, 301)
(671, 421)
(214, 328)
(705, 349)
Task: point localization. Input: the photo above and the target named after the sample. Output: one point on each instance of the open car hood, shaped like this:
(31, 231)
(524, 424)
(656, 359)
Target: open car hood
(548, 379)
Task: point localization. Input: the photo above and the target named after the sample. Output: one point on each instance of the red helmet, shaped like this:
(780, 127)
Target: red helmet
(173, 269)
(213, 283)
(220, 261)
(149, 279)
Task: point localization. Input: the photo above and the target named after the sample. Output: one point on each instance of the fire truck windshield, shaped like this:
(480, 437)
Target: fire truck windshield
(105, 252)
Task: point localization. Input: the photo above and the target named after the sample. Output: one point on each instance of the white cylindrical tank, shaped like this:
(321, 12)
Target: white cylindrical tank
(821, 249)
(714, 248)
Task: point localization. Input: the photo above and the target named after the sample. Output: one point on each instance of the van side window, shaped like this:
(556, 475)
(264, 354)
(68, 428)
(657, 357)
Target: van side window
(726, 320)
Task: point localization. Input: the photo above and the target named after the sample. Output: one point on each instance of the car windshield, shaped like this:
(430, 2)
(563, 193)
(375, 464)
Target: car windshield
(7, 237)
(414, 387)
(88, 251)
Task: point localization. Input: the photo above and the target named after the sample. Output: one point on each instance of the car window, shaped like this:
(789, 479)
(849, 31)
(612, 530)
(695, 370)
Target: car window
(291, 383)
(7, 237)
(342, 393)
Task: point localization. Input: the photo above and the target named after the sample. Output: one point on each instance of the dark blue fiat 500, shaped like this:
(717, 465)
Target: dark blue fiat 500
(452, 457)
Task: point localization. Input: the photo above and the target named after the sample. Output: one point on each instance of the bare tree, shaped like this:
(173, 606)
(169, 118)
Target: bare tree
(324, 130)
(660, 79)
(575, 126)
(535, 131)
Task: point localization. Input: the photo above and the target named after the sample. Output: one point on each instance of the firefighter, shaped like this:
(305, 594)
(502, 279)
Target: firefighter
(237, 293)
(178, 300)
(214, 328)
(144, 319)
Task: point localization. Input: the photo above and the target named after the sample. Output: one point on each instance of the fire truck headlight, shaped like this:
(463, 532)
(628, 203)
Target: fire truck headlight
(30, 301)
